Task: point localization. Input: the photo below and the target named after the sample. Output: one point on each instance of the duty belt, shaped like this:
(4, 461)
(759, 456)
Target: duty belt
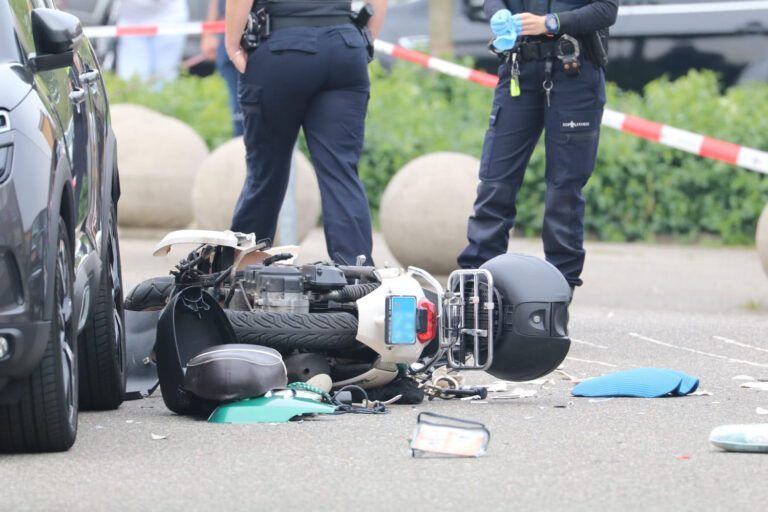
(538, 50)
(281, 22)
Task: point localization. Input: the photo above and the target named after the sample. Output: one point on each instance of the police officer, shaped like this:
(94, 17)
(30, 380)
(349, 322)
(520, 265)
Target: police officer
(304, 65)
(551, 79)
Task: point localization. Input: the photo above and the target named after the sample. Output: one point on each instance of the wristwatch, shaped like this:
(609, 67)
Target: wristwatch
(552, 23)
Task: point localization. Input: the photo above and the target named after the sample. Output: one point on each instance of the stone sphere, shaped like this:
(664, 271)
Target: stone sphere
(425, 207)
(158, 157)
(761, 239)
(220, 180)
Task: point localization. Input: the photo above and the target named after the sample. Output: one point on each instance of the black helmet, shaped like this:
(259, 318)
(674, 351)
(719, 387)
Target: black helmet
(532, 334)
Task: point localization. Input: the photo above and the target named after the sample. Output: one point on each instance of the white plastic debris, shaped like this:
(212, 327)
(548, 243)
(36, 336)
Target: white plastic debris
(157, 437)
(762, 386)
(762, 411)
(497, 387)
(742, 377)
(516, 393)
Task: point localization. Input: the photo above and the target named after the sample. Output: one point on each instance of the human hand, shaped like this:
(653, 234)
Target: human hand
(239, 58)
(209, 46)
(532, 24)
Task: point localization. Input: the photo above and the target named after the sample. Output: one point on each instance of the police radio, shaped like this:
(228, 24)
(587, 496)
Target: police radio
(567, 51)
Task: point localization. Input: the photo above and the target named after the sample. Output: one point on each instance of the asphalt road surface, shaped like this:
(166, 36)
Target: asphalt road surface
(702, 311)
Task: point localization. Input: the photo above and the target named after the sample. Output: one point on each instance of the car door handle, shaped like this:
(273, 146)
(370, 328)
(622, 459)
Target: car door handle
(77, 96)
(90, 77)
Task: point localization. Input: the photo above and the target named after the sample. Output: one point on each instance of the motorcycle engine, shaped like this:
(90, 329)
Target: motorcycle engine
(286, 288)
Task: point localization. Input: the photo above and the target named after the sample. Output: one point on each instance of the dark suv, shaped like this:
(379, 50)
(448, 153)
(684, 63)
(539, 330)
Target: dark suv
(650, 37)
(61, 298)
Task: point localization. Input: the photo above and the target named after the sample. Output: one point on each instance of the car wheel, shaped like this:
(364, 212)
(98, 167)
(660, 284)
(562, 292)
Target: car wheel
(45, 418)
(102, 342)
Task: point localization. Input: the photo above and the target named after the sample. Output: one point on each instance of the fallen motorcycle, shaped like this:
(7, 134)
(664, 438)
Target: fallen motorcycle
(356, 324)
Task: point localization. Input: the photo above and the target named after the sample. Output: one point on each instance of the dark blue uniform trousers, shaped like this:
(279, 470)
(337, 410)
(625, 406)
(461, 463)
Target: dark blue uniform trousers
(315, 78)
(572, 127)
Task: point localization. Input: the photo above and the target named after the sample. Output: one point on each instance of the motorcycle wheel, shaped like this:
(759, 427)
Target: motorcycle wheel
(286, 332)
(150, 294)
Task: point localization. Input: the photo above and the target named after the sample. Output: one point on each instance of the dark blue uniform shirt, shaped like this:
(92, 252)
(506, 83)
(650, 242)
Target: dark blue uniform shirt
(576, 16)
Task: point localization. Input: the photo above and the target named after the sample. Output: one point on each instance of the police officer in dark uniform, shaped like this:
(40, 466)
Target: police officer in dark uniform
(303, 65)
(551, 79)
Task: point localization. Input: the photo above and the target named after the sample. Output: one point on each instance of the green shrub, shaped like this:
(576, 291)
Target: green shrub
(640, 190)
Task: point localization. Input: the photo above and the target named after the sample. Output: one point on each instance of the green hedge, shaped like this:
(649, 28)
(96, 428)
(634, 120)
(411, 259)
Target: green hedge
(640, 190)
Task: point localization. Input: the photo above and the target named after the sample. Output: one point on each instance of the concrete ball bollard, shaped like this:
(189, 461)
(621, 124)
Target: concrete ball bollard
(761, 239)
(157, 158)
(220, 180)
(425, 207)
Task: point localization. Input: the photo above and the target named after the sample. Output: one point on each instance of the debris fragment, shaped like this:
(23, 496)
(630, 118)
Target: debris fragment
(760, 410)
(701, 392)
(157, 437)
(599, 400)
(684, 457)
(741, 438)
(497, 387)
(762, 386)
(742, 377)
(516, 393)
(571, 378)
(444, 435)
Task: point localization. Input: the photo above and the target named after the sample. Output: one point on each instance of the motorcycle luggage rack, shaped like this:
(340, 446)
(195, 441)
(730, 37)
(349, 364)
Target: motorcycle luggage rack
(464, 296)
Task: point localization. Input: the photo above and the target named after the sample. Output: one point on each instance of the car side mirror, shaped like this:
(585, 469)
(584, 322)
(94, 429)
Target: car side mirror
(57, 35)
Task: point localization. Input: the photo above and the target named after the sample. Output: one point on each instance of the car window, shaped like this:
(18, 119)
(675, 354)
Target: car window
(22, 10)
(8, 48)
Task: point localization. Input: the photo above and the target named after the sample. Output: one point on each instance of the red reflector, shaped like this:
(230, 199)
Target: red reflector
(427, 335)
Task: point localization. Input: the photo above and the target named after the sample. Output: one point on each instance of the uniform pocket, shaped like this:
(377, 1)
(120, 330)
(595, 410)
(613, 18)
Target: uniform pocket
(250, 98)
(305, 43)
(248, 94)
(576, 126)
(488, 143)
(352, 37)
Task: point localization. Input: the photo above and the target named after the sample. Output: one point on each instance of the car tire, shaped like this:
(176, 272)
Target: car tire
(102, 341)
(45, 418)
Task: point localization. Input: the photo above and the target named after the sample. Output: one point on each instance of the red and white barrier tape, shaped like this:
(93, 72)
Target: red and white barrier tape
(170, 29)
(687, 141)
(701, 145)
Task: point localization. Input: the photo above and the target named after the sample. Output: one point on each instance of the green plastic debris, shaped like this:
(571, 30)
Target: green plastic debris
(268, 409)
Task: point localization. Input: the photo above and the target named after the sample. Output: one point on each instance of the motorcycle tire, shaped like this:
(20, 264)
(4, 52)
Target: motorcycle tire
(149, 295)
(287, 332)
